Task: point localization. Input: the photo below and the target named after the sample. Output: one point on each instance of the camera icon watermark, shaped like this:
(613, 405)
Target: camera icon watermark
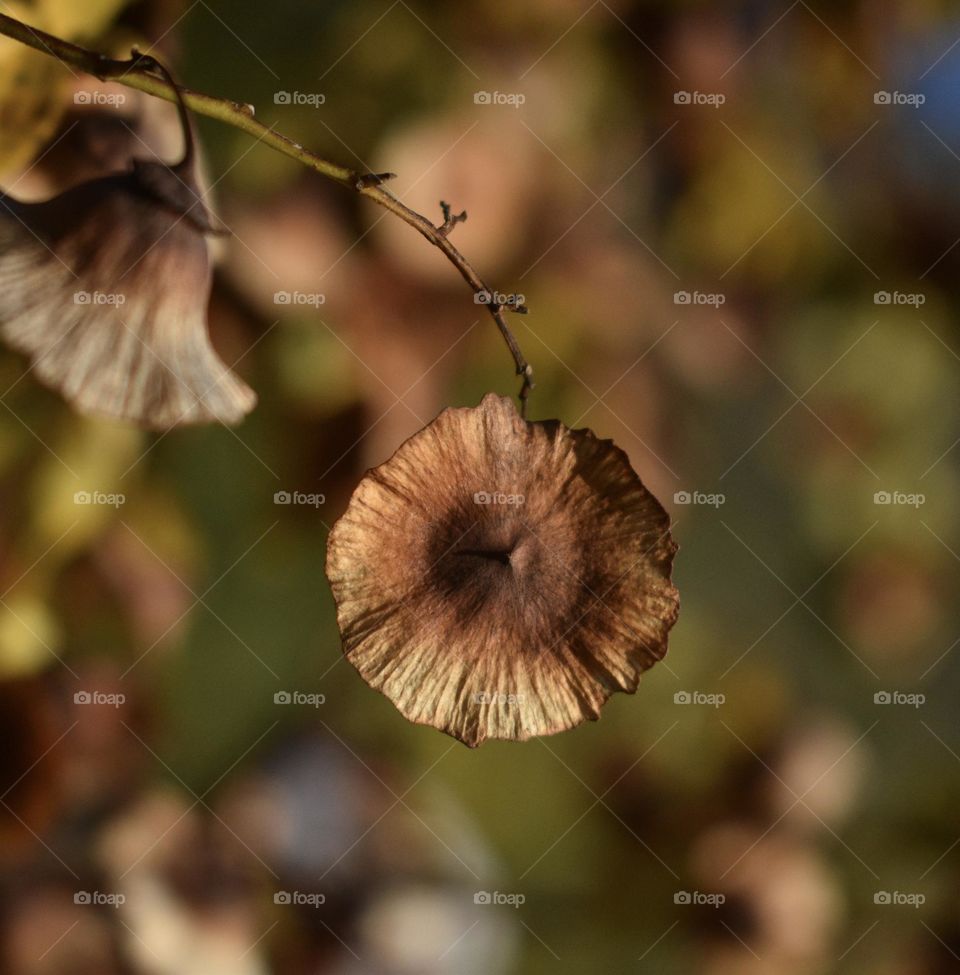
(914, 298)
(513, 98)
(298, 898)
(699, 498)
(299, 498)
(712, 98)
(312, 299)
(698, 898)
(499, 899)
(699, 697)
(500, 698)
(714, 298)
(902, 498)
(99, 698)
(898, 898)
(299, 697)
(498, 497)
(99, 98)
(99, 498)
(499, 299)
(914, 700)
(914, 99)
(312, 98)
(99, 298)
(97, 898)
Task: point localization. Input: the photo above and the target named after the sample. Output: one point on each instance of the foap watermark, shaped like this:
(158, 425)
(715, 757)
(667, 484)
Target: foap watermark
(699, 497)
(899, 898)
(498, 898)
(699, 697)
(113, 98)
(497, 497)
(698, 898)
(313, 299)
(915, 298)
(899, 498)
(298, 898)
(499, 299)
(714, 298)
(99, 697)
(299, 498)
(99, 497)
(299, 697)
(712, 98)
(98, 898)
(312, 98)
(513, 98)
(499, 697)
(912, 98)
(99, 298)
(900, 697)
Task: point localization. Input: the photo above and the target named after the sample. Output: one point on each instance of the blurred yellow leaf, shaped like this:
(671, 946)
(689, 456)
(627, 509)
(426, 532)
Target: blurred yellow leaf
(28, 635)
(80, 487)
(75, 21)
(738, 214)
(33, 86)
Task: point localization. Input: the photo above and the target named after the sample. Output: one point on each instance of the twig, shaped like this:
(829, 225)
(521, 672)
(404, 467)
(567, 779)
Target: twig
(450, 219)
(135, 73)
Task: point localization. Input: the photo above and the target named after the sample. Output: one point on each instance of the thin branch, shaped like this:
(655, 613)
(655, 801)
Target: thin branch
(136, 73)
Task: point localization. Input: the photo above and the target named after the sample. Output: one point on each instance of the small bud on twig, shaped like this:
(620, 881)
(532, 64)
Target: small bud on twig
(373, 179)
(450, 219)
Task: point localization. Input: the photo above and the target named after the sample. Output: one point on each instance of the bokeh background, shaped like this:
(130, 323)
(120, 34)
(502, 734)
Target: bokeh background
(736, 227)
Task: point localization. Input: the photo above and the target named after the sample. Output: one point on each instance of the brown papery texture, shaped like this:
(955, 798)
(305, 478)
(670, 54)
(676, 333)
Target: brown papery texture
(499, 578)
(105, 288)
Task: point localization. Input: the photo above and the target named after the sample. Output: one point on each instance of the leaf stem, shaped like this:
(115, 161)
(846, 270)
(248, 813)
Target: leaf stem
(136, 73)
